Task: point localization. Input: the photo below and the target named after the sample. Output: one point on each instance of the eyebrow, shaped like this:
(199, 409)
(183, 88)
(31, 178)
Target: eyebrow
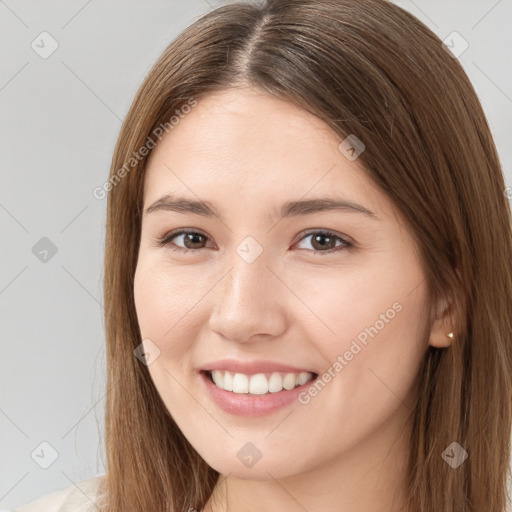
(169, 202)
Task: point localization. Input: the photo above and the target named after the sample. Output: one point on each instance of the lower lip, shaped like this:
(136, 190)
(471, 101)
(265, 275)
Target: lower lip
(244, 404)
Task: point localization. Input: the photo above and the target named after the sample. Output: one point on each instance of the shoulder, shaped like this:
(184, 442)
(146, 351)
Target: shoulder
(79, 497)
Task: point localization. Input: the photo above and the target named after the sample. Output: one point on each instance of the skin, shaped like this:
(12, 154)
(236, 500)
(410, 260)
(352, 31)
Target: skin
(246, 153)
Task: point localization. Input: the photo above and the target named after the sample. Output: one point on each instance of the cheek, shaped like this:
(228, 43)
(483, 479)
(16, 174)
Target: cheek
(164, 305)
(161, 296)
(369, 327)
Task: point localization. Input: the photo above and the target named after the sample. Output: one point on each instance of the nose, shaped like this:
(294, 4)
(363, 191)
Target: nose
(249, 303)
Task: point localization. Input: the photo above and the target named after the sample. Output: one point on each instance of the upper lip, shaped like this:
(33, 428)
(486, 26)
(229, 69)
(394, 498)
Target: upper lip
(252, 367)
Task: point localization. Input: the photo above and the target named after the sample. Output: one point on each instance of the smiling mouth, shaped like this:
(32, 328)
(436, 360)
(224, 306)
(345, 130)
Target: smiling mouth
(259, 383)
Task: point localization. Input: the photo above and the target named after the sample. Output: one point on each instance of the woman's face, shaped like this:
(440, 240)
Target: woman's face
(264, 286)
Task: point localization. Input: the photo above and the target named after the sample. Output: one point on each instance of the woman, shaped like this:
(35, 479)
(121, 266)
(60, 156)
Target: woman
(307, 279)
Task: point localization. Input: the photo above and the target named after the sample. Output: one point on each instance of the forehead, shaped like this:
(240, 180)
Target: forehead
(246, 145)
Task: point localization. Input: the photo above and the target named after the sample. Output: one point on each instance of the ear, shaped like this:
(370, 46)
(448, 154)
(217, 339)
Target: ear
(443, 323)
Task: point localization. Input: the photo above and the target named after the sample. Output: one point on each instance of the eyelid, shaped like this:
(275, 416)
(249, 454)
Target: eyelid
(323, 231)
(347, 241)
(167, 237)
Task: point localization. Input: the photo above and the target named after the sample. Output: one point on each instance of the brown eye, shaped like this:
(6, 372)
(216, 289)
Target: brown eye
(326, 242)
(191, 240)
(322, 242)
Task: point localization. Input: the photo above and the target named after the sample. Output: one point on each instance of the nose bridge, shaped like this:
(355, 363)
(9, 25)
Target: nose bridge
(246, 283)
(247, 299)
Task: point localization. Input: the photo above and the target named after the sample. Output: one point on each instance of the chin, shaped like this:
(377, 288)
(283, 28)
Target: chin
(261, 470)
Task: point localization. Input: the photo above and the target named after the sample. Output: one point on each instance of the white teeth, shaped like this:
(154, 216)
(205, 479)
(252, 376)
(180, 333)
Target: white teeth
(228, 381)
(258, 384)
(275, 383)
(289, 381)
(240, 383)
(302, 379)
(218, 378)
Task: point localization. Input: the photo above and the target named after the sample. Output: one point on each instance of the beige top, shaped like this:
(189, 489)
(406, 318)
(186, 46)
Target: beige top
(75, 498)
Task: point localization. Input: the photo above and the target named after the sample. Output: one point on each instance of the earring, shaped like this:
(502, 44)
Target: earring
(450, 335)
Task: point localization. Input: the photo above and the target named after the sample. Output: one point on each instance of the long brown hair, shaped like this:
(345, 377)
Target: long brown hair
(371, 69)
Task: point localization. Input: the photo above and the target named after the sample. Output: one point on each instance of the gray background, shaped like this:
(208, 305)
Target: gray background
(60, 117)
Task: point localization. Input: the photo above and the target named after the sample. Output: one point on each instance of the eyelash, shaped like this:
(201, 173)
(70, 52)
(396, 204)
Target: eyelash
(166, 241)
